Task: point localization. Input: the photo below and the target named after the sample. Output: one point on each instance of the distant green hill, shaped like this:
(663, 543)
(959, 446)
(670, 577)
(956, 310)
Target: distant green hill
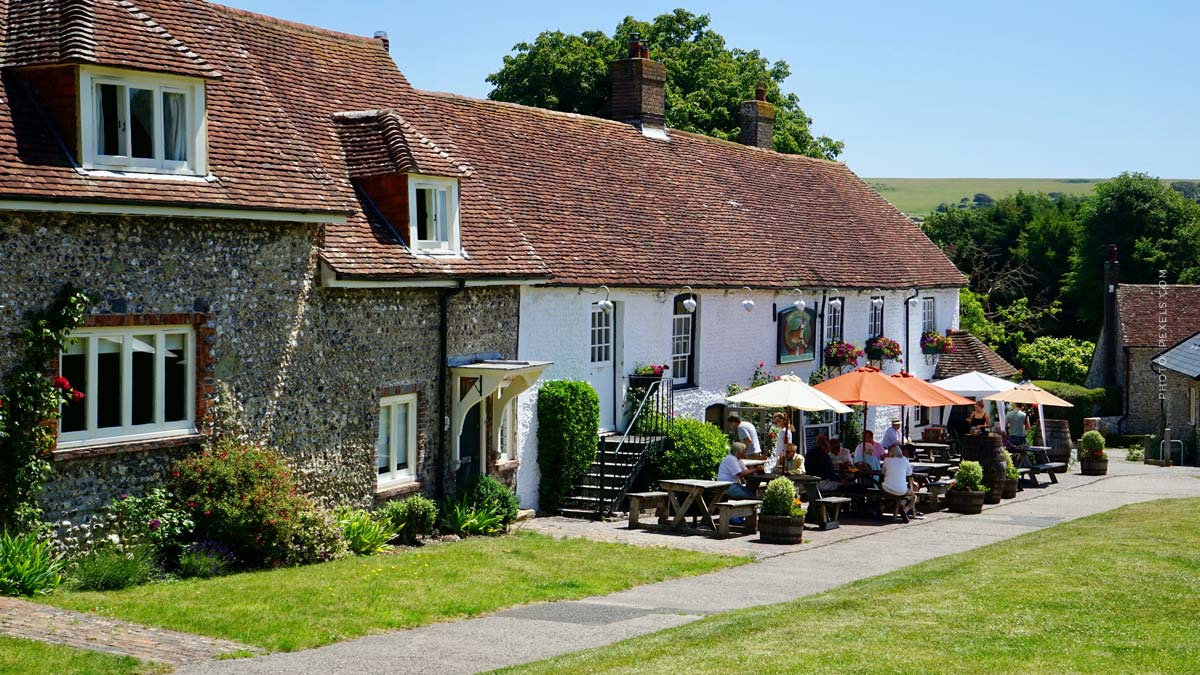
(920, 196)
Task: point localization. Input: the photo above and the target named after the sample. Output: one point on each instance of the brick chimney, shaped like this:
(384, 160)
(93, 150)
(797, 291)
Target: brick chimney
(382, 36)
(758, 121)
(1112, 323)
(638, 90)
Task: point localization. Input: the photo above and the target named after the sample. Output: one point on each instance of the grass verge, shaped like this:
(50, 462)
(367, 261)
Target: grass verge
(305, 607)
(1115, 592)
(27, 657)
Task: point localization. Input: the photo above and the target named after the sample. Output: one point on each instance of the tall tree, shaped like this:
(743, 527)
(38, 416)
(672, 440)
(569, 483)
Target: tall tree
(1156, 231)
(706, 80)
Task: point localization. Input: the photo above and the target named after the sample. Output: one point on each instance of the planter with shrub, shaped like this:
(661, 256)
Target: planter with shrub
(781, 520)
(1093, 461)
(967, 494)
(1011, 476)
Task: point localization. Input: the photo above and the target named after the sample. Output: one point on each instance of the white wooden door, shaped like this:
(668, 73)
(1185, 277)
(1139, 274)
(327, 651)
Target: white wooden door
(602, 373)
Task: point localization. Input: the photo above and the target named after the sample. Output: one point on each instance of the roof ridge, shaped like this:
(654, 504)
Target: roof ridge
(77, 21)
(155, 27)
(295, 25)
(1123, 285)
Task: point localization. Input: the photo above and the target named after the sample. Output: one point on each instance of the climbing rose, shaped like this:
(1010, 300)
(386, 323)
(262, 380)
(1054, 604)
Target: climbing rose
(61, 382)
(77, 396)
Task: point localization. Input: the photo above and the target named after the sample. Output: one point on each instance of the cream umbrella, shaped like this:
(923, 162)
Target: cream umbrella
(792, 393)
(1033, 395)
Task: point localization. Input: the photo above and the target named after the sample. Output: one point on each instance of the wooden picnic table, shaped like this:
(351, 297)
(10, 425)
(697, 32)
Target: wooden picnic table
(682, 493)
(932, 469)
(933, 450)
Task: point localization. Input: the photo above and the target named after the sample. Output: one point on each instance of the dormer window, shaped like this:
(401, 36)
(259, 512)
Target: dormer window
(433, 215)
(142, 123)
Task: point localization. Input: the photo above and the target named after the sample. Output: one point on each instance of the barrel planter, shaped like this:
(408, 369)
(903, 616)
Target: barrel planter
(1010, 488)
(988, 450)
(962, 501)
(1058, 439)
(1093, 467)
(995, 491)
(781, 529)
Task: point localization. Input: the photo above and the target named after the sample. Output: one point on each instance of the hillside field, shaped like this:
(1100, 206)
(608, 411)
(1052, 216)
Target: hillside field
(920, 196)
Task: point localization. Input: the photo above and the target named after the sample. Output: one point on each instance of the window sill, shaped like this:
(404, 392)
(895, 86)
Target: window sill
(503, 465)
(107, 448)
(397, 489)
(148, 173)
(437, 253)
(684, 387)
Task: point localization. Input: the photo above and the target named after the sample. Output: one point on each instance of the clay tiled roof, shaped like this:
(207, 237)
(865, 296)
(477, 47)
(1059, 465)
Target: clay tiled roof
(380, 142)
(1157, 316)
(115, 33)
(971, 354)
(601, 203)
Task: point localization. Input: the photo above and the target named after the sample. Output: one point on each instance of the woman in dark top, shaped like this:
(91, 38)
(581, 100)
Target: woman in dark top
(979, 417)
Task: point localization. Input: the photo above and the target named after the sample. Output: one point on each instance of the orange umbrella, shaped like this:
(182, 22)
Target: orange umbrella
(929, 395)
(867, 386)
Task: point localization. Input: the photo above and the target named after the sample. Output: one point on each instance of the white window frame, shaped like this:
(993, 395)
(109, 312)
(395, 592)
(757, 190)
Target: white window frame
(507, 431)
(127, 431)
(834, 314)
(452, 245)
(875, 321)
(929, 314)
(601, 335)
(688, 339)
(397, 476)
(89, 119)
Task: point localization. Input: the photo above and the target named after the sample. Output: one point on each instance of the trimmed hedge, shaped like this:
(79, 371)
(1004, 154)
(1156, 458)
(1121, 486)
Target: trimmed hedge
(694, 450)
(568, 415)
(1087, 402)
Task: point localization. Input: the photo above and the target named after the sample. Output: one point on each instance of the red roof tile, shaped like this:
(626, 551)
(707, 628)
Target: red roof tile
(1157, 316)
(971, 354)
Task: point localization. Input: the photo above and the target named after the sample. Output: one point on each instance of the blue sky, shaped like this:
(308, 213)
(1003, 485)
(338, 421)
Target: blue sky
(921, 89)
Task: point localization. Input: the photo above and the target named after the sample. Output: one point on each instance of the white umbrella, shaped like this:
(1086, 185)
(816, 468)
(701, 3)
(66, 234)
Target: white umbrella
(792, 393)
(977, 385)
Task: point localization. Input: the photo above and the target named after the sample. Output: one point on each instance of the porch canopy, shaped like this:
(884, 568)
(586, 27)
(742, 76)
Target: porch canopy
(792, 393)
(496, 381)
(1033, 395)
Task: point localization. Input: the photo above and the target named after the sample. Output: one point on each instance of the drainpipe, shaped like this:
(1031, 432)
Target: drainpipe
(907, 338)
(821, 338)
(443, 384)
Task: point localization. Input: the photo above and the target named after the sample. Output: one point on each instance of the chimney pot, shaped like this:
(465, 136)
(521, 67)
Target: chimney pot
(645, 52)
(382, 36)
(760, 92)
(635, 46)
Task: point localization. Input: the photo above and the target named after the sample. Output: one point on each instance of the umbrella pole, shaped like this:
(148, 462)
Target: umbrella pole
(1042, 423)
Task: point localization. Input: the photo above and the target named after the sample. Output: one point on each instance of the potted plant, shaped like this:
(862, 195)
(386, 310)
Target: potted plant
(781, 520)
(1011, 477)
(934, 344)
(1092, 459)
(967, 494)
(839, 354)
(880, 348)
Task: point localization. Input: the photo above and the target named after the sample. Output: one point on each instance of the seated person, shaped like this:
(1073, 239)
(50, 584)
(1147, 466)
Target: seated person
(898, 480)
(818, 463)
(734, 470)
(792, 462)
(839, 455)
(868, 453)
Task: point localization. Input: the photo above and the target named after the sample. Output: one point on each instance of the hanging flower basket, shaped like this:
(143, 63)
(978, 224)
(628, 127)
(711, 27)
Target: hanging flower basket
(931, 359)
(840, 354)
(880, 348)
(933, 344)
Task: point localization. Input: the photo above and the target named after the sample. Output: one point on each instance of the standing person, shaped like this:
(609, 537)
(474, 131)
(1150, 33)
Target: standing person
(892, 435)
(868, 452)
(746, 433)
(1017, 425)
(734, 470)
(783, 439)
(898, 481)
(979, 417)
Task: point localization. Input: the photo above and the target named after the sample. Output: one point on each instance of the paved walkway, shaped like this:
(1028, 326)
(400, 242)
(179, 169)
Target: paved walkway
(542, 630)
(19, 618)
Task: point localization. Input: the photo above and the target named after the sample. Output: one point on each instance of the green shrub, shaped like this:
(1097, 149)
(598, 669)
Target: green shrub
(152, 520)
(415, 516)
(28, 565)
(246, 498)
(969, 476)
(485, 492)
(205, 560)
(1010, 469)
(568, 415)
(779, 499)
(1062, 359)
(694, 450)
(852, 428)
(1092, 446)
(111, 568)
(1087, 402)
(1137, 453)
(466, 520)
(364, 533)
(651, 423)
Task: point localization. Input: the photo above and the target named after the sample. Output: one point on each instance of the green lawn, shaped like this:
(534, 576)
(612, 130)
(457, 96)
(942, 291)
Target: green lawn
(27, 657)
(304, 607)
(1113, 593)
(920, 196)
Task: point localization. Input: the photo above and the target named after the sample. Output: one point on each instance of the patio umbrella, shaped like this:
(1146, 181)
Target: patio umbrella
(792, 393)
(930, 395)
(977, 385)
(867, 386)
(1034, 395)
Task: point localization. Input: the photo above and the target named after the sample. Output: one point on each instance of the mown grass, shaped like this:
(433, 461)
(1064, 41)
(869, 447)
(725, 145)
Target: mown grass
(1112, 593)
(305, 607)
(29, 657)
(920, 196)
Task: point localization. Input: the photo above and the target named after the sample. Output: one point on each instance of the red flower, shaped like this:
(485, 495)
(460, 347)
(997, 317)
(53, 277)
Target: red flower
(762, 364)
(61, 382)
(77, 396)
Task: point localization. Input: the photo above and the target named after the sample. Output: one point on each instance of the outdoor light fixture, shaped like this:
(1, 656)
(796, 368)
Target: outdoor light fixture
(748, 303)
(912, 301)
(689, 303)
(799, 304)
(877, 301)
(606, 305)
(836, 301)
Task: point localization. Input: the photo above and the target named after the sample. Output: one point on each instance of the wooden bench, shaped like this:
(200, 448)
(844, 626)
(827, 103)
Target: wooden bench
(737, 508)
(1048, 468)
(645, 500)
(823, 511)
(930, 495)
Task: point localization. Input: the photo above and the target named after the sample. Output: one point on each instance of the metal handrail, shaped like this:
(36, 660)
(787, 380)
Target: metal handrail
(655, 389)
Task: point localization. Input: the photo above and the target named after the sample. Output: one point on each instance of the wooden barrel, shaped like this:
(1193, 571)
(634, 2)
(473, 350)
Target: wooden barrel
(1058, 439)
(989, 451)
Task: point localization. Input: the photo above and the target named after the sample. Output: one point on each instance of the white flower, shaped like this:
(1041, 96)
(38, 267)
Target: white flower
(114, 538)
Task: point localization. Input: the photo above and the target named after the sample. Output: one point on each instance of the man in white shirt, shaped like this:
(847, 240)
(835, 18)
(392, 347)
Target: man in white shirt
(892, 435)
(734, 470)
(746, 433)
